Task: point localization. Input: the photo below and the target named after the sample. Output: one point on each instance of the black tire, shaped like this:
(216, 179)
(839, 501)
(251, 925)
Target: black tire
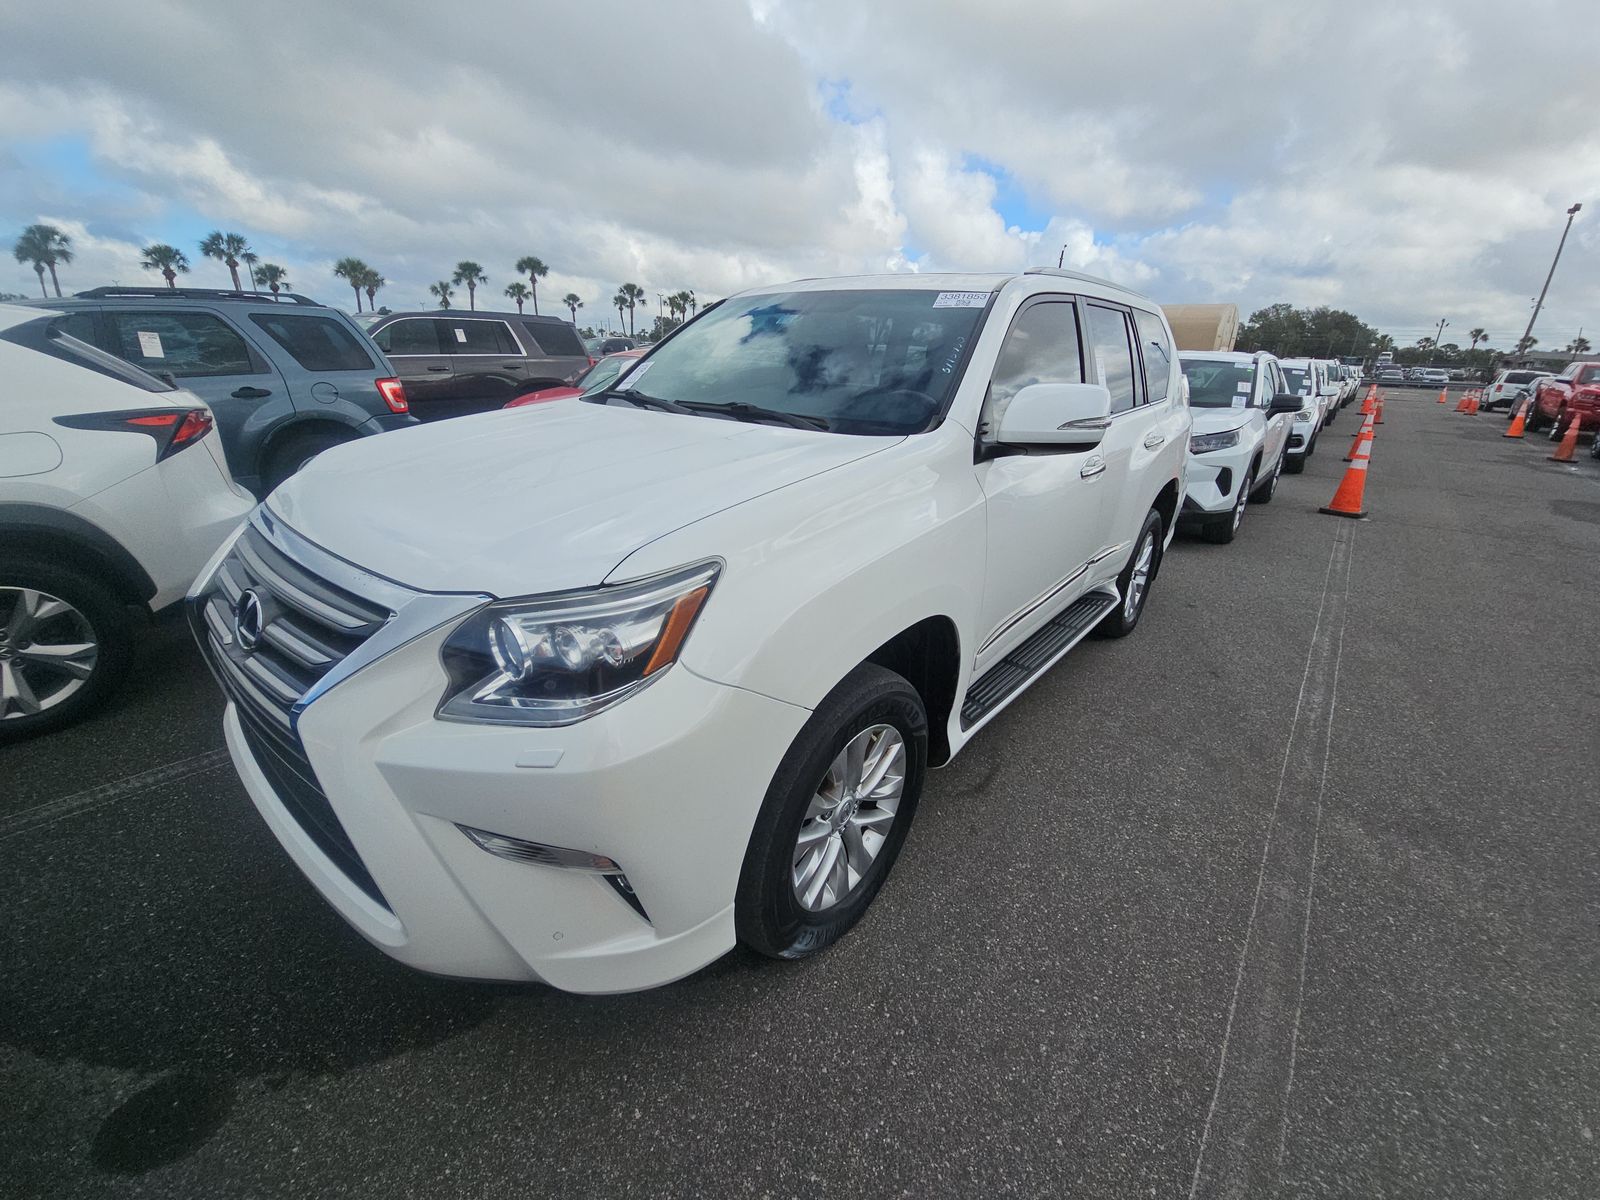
(1269, 489)
(1294, 463)
(1119, 622)
(1535, 420)
(108, 620)
(297, 449)
(1221, 532)
(768, 916)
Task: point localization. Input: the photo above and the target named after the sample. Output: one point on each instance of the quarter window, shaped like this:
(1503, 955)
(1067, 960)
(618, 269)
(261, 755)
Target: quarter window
(1113, 355)
(477, 337)
(316, 343)
(414, 336)
(1157, 347)
(1041, 347)
(555, 337)
(188, 344)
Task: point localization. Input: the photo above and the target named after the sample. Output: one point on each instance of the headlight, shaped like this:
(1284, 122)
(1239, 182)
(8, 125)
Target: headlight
(1202, 442)
(553, 660)
(1307, 415)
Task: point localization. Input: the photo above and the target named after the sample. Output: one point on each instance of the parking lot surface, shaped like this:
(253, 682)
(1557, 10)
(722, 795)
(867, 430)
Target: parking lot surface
(1294, 892)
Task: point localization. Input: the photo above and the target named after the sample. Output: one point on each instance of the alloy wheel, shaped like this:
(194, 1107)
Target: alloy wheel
(1244, 499)
(849, 817)
(48, 652)
(1140, 579)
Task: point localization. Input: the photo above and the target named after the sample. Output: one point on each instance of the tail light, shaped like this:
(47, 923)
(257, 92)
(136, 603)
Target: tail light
(171, 428)
(592, 360)
(394, 395)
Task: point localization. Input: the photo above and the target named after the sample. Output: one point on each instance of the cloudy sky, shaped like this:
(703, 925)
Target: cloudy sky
(1408, 161)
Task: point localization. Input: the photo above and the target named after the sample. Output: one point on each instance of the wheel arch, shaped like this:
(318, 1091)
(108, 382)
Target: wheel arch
(299, 425)
(63, 537)
(1166, 503)
(928, 656)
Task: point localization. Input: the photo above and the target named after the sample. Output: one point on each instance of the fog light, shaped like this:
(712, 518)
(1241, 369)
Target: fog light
(537, 852)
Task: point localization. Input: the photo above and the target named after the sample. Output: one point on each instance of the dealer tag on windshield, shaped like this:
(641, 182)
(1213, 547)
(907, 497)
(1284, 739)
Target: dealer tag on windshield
(150, 345)
(627, 382)
(961, 299)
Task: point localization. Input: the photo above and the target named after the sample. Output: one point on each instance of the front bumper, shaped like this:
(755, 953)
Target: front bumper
(1214, 480)
(667, 784)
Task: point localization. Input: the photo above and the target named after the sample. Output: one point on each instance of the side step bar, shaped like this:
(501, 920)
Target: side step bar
(1019, 668)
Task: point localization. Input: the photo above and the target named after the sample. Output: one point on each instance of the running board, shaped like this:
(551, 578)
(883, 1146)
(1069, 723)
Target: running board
(1036, 655)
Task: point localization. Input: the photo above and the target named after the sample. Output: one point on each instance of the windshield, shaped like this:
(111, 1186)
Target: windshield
(604, 373)
(1296, 378)
(1215, 384)
(865, 361)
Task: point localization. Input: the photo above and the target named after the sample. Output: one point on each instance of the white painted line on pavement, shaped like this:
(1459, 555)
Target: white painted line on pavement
(54, 810)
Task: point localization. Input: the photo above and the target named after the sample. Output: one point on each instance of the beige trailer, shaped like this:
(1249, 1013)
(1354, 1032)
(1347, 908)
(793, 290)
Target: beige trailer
(1203, 326)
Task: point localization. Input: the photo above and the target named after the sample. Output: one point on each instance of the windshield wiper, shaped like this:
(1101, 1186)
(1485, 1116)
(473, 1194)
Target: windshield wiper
(741, 411)
(641, 400)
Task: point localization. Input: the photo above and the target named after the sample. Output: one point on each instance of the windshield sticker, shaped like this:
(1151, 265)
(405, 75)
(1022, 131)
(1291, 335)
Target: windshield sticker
(150, 345)
(1238, 401)
(627, 382)
(955, 353)
(461, 334)
(1244, 386)
(961, 299)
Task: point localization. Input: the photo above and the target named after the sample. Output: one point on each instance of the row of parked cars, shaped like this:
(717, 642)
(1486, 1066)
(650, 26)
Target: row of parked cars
(1555, 400)
(1429, 377)
(589, 689)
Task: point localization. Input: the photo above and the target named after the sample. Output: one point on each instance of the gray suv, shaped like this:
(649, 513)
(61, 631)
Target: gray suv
(453, 363)
(285, 378)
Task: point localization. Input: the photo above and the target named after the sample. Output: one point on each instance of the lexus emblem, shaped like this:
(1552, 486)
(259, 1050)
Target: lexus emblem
(248, 619)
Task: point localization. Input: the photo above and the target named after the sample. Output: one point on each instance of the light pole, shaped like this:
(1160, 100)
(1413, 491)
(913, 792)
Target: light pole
(1437, 338)
(1522, 346)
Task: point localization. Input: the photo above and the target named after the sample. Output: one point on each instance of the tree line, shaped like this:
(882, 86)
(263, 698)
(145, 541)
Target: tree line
(1325, 332)
(45, 247)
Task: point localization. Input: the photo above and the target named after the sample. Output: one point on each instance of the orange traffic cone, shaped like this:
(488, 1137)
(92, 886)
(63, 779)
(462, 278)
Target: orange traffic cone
(1464, 403)
(1362, 434)
(1518, 422)
(1472, 404)
(1378, 420)
(1369, 403)
(1442, 396)
(1346, 501)
(1569, 443)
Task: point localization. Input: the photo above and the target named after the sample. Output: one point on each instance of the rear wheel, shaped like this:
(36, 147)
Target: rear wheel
(297, 449)
(65, 642)
(834, 817)
(1134, 582)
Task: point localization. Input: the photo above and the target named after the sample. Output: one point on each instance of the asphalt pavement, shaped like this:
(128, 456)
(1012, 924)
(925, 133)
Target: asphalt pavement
(1293, 892)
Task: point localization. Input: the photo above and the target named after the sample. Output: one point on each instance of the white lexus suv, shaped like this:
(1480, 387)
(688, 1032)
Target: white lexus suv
(113, 494)
(587, 692)
(1241, 433)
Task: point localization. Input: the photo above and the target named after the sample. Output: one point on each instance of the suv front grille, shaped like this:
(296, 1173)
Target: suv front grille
(302, 626)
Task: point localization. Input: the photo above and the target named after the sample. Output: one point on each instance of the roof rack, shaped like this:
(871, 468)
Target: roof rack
(165, 293)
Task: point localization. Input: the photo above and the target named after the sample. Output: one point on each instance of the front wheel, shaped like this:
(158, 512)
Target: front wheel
(1225, 530)
(1134, 582)
(834, 817)
(1270, 488)
(1294, 463)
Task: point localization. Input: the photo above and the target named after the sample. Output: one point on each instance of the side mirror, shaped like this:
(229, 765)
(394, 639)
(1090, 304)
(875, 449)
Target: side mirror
(1331, 391)
(1283, 402)
(1068, 416)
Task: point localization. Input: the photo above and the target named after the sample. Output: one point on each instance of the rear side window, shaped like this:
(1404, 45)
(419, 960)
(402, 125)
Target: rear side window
(1521, 376)
(1041, 347)
(49, 335)
(415, 335)
(1157, 347)
(555, 338)
(316, 343)
(477, 337)
(188, 344)
(1113, 354)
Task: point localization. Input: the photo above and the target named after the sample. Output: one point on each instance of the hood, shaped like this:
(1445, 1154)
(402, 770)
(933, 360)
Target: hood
(541, 498)
(1219, 420)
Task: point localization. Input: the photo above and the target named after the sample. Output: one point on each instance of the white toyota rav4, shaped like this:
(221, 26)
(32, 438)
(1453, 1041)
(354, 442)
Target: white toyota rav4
(588, 691)
(1241, 434)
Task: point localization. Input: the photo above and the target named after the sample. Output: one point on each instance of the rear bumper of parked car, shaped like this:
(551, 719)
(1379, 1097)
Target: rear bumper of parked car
(666, 785)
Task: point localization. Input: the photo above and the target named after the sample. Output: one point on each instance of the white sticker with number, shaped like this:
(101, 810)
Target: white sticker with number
(961, 299)
(150, 345)
(461, 335)
(631, 378)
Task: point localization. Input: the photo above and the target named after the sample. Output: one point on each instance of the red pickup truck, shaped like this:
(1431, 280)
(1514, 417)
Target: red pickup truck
(1572, 395)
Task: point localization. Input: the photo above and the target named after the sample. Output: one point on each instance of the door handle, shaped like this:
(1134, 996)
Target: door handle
(439, 369)
(1152, 440)
(1092, 466)
(250, 393)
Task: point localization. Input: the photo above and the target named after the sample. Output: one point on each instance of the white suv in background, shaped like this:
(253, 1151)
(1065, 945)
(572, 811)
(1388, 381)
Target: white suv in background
(587, 692)
(113, 494)
(1306, 378)
(1241, 431)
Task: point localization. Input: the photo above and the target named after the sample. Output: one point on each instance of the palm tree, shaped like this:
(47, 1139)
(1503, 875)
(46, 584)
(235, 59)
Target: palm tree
(519, 292)
(1524, 344)
(45, 247)
(354, 272)
(573, 305)
(634, 294)
(1477, 335)
(249, 258)
(441, 290)
(227, 248)
(535, 270)
(620, 303)
(169, 260)
(471, 274)
(1578, 345)
(371, 281)
(270, 276)
(688, 299)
